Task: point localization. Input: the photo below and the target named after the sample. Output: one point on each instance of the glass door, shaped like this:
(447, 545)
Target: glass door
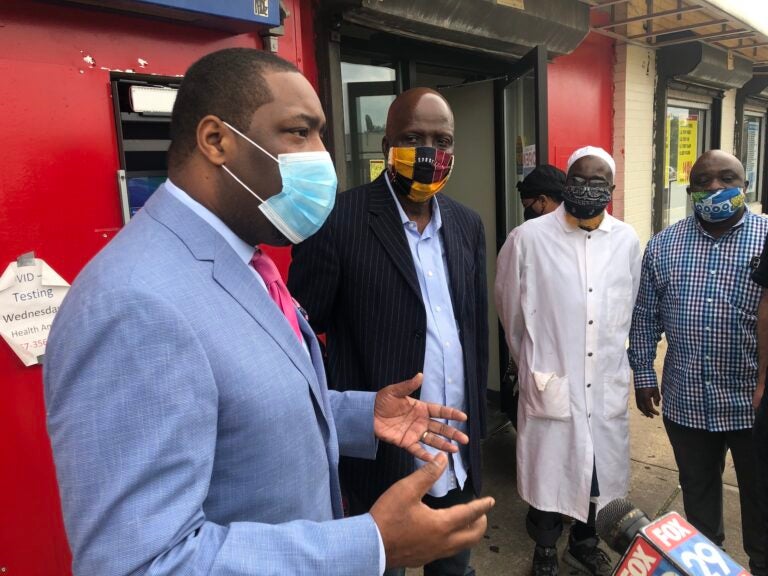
(521, 134)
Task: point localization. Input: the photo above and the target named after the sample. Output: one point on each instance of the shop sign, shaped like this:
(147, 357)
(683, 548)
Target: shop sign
(529, 159)
(30, 295)
(752, 146)
(375, 167)
(256, 11)
(687, 137)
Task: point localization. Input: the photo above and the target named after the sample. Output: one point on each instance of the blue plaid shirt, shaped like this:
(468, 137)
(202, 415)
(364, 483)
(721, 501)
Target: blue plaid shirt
(697, 290)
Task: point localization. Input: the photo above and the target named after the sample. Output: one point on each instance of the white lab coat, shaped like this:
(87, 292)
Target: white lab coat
(565, 299)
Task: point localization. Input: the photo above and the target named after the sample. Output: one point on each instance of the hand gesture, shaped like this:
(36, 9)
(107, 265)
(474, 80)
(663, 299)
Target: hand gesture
(414, 534)
(408, 423)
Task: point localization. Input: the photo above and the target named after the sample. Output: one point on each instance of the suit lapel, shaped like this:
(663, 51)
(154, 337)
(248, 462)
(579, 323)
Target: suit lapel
(386, 225)
(452, 236)
(234, 276)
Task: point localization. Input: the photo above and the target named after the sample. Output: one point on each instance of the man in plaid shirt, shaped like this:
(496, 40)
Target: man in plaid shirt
(695, 287)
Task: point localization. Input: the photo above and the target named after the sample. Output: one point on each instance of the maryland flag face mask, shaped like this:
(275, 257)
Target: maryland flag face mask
(418, 173)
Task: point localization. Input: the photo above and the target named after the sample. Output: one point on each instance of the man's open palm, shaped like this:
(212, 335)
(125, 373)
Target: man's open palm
(409, 423)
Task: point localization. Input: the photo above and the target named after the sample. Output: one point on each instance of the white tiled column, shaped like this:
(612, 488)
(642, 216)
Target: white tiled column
(634, 81)
(728, 124)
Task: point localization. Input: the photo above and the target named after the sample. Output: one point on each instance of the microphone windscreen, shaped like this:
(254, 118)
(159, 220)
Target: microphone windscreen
(611, 515)
(619, 522)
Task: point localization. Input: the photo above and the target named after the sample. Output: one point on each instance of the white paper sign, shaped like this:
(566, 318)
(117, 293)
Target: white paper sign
(529, 159)
(30, 296)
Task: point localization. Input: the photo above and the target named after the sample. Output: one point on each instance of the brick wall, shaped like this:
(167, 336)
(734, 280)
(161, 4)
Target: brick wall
(634, 81)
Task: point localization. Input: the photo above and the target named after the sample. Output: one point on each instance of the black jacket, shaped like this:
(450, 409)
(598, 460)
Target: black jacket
(357, 281)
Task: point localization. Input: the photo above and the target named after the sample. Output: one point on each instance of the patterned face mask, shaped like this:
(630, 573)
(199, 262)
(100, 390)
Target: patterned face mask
(418, 173)
(584, 202)
(717, 205)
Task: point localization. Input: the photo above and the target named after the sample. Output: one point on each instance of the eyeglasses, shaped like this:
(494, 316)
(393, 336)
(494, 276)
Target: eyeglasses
(592, 182)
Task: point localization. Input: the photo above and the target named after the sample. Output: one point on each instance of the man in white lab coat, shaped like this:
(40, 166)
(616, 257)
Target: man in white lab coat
(565, 286)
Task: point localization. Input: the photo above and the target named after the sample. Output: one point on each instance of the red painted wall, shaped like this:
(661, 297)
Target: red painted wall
(580, 87)
(58, 197)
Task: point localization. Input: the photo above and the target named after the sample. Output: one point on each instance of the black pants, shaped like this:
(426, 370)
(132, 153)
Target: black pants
(760, 437)
(458, 564)
(700, 457)
(545, 528)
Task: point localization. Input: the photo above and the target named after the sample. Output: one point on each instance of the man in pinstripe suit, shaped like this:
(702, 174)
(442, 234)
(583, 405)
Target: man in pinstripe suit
(396, 279)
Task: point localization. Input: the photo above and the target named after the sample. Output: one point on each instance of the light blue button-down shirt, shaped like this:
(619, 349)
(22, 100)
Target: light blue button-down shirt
(443, 358)
(245, 251)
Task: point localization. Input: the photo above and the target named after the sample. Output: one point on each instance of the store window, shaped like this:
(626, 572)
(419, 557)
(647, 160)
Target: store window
(753, 137)
(687, 136)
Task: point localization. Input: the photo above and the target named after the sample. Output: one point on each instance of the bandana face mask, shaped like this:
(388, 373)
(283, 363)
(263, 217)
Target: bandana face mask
(717, 205)
(584, 202)
(418, 173)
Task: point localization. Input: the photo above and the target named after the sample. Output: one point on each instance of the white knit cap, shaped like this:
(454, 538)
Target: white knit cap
(593, 151)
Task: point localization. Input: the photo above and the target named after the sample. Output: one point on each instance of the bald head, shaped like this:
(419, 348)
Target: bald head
(716, 169)
(419, 117)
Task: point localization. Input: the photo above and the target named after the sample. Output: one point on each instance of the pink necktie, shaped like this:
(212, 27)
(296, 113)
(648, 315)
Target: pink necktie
(278, 291)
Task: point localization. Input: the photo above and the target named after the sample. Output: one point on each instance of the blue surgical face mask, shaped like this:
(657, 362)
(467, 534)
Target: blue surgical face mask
(717, 205)
(308, 194)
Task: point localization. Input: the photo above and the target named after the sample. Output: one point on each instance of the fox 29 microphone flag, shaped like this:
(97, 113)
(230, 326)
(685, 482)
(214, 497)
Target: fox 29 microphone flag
(668, 546)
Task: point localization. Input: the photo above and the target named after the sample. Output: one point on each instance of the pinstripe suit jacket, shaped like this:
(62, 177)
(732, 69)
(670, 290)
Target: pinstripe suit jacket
(192, 433)
(357, 280)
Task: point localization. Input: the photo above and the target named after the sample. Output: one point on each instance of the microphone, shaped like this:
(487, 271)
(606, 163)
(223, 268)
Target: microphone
(667, 546)
(619, 522)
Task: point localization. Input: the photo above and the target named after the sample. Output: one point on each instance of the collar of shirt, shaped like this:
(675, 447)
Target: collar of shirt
(567, 227)
(738, 224)
(435, 223)
(244, 250)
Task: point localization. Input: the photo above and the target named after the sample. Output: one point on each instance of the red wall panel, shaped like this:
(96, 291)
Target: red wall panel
(58, 197)
(580, 87)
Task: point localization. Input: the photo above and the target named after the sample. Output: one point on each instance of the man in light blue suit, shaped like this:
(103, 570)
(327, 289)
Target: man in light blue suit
(191, 425)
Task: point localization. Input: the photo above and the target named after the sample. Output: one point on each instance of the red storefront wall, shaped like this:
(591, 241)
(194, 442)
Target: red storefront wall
(580, 91)
(58, 197)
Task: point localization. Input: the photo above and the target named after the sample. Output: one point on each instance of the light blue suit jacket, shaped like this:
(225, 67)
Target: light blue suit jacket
(191, 432)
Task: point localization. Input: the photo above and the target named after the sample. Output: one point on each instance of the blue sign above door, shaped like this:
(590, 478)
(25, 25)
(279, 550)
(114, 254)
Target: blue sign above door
(239, 13)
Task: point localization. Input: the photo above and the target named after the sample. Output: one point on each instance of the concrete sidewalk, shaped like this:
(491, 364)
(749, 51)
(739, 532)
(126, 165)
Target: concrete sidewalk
(507, 549)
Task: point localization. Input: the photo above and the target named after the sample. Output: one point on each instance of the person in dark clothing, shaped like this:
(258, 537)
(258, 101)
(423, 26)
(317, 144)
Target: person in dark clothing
(760, 398)
(541, 191)
(396, 279)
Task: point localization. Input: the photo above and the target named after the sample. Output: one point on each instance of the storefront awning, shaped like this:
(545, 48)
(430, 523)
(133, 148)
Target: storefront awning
(507, 28)
(737, 27)
(757, 88)
(699, 63)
